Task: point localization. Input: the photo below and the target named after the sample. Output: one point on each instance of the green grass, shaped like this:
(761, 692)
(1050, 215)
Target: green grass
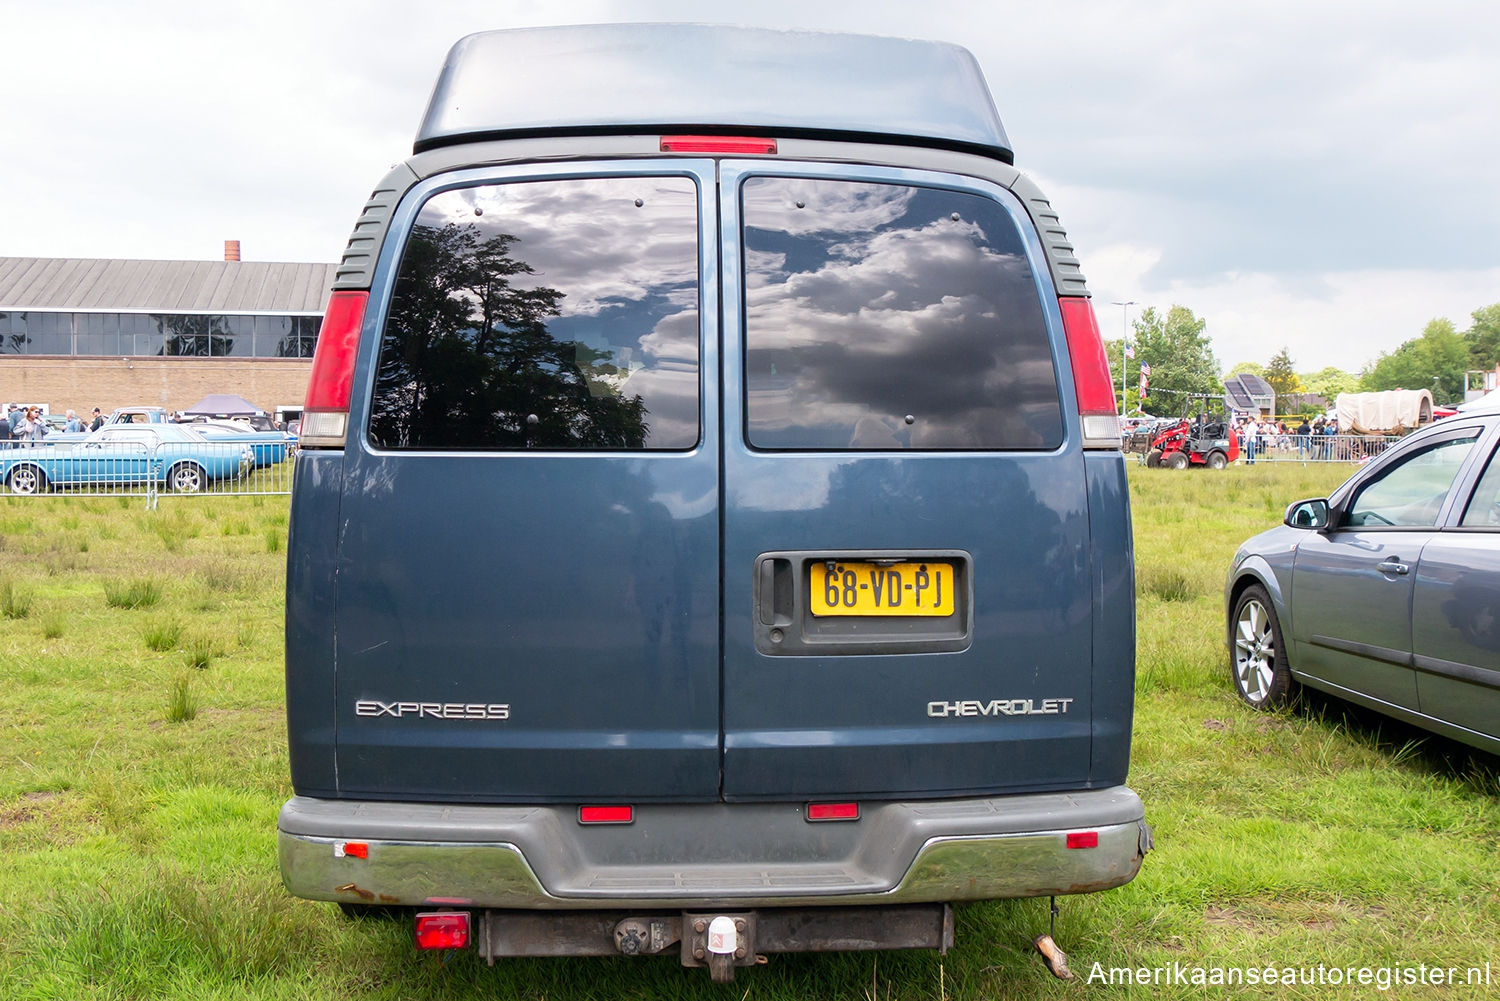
(132, 593)
(138, 796)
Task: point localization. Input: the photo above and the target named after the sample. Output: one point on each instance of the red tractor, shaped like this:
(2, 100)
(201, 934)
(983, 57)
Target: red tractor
(1205, 440)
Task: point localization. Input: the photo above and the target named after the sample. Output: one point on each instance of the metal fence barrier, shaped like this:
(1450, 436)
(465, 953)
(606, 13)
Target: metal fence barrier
(1294, 448)
(134, 469)
(1317, 447)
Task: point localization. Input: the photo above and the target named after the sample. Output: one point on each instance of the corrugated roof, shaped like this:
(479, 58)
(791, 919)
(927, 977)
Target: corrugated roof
(102, 285)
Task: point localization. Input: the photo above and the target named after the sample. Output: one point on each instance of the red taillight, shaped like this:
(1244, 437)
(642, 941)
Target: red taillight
(1083, 839)
(1091, 379)
(351, 849)
(443, 930)
(833, 811)
(730, 145)
(325, 414)
(606, 814)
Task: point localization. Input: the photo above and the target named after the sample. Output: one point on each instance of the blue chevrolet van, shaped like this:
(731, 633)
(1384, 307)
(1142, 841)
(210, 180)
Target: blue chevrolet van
(710, 532)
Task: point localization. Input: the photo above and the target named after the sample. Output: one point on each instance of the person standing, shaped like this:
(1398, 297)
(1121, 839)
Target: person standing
(33, 428)
(15, 417)
(97, 422)
(74, 425)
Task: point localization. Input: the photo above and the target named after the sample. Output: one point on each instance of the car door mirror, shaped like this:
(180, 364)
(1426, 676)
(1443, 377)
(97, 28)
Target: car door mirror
(1307, 514)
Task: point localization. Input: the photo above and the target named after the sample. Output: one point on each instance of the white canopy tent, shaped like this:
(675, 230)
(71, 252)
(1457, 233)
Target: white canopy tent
(1487, 404)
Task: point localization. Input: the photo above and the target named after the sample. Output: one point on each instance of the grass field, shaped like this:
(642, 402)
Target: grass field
(142, 762)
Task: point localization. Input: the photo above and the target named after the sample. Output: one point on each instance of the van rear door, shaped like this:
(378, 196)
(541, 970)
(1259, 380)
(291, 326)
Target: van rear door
(907, 605)
(528, 575)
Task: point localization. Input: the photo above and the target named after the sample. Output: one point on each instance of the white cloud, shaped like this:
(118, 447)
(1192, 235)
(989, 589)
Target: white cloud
(1316, 174)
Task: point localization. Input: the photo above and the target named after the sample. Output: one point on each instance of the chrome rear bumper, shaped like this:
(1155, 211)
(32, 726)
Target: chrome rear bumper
(671, 856)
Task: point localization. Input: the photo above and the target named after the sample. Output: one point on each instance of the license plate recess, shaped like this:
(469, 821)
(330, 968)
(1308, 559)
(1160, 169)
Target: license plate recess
(863, 602)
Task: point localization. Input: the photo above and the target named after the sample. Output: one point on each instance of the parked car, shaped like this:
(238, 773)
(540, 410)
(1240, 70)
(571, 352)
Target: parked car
(710, 535)
(270, 447)
(179, 459)
(1386, 593)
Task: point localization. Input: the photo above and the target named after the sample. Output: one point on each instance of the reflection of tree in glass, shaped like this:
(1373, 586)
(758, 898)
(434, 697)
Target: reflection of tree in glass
(194, 335)
(466, 359)
(15, 341)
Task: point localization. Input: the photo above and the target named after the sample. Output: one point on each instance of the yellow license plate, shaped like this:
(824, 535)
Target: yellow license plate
(882, 589)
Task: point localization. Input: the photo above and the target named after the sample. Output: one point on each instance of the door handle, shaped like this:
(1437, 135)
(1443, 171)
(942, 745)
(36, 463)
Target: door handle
(1393, 566)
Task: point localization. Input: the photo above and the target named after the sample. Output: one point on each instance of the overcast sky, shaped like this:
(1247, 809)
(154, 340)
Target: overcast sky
(1320, 176)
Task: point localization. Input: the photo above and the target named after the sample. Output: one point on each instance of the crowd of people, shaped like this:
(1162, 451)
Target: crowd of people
(1315, 438)
(28, 423)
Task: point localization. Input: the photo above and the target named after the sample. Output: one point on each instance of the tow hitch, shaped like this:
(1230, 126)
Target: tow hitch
(719, 940)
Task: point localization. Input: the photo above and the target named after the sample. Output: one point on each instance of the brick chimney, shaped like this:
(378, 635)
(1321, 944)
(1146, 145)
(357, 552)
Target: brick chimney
(231, 250)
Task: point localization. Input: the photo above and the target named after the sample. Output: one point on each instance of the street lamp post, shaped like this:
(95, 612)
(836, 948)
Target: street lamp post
(1124, 346)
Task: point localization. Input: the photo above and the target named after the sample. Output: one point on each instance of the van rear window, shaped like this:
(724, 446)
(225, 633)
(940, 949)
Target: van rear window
(887, 316)
(557, 314)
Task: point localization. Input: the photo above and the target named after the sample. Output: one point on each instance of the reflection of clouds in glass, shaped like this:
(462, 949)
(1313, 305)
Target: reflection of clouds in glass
(929, 320)
(763, 267)
(573, 299)
(673, 339)
(669, 383)
(570, 231)
(827, 207)
(671, 395)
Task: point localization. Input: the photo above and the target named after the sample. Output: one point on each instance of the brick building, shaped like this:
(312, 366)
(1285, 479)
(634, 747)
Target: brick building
(84, 333)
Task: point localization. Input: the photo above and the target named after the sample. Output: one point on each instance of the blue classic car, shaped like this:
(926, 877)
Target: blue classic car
(176, 457)
(270, 447)
(1387, 593)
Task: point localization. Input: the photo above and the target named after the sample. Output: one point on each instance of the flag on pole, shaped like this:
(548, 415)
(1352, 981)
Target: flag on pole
(1145, 369)
(1129, 350)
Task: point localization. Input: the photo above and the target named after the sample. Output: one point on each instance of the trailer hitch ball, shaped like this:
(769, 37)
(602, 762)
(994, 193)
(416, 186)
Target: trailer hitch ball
(723, 944)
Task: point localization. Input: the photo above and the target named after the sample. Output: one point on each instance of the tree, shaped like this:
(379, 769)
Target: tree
(1282, 375)
(1179, 355)
(1483, 337)
(1330, 382)
(1437, 361)
(466, 356)
(1248, 368)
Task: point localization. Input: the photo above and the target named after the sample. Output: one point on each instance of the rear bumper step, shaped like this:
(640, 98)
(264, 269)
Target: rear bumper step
(751, 855)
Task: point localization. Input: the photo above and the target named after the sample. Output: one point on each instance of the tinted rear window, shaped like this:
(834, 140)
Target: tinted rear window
(886, 316)
(556, 314)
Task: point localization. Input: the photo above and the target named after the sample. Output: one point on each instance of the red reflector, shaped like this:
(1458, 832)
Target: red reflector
(606, 814)
(443, 930)
(1083, 839)
(357, 849)
(1091, 380)
(833, 811)
(717, 144)
(333, 359)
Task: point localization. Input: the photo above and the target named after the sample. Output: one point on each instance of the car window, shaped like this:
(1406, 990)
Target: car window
(1484, 506)
(556, 314)
(890, 316)
(141, 436)
(1410, 492)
